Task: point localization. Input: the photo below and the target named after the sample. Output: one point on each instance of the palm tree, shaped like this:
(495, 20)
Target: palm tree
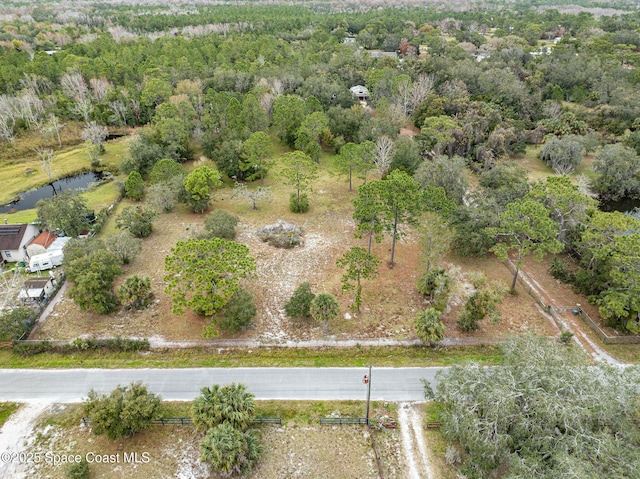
(230, 404)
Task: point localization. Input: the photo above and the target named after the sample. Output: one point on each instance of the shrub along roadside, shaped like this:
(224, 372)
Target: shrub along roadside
(117, 344)
(274, 357)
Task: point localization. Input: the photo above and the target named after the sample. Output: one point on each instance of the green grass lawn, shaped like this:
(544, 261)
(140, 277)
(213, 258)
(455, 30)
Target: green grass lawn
(6, 410)
(261, 357)
(72, 162)
(68, 162)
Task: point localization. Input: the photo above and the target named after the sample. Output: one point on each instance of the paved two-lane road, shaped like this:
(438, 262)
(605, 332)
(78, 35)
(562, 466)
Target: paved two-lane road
(72, 385)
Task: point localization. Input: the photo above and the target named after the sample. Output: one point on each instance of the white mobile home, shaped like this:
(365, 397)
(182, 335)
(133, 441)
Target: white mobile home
(44, 261)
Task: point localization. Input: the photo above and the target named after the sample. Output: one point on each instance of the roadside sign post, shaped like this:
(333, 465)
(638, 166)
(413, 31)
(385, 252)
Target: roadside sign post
(367, 380)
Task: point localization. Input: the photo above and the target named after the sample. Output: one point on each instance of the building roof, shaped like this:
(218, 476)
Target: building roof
(379, 54)
(59, 243)
(359, 90)
(33, 288)
(44, 239)
(11, 236)
(36, 283)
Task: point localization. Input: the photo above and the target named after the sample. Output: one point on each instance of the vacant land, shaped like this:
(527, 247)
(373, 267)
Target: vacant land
(300, 447)
(390, 302)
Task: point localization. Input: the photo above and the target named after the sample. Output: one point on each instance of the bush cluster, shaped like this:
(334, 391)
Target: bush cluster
(117, 344)
(281, 234)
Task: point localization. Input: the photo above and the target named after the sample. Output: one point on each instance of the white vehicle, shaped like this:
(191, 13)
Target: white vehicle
(44, 261)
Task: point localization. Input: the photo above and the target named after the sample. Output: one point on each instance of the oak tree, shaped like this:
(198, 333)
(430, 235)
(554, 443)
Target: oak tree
(123, 412)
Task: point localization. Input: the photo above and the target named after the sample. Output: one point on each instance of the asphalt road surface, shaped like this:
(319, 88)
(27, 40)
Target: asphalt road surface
(72, 385)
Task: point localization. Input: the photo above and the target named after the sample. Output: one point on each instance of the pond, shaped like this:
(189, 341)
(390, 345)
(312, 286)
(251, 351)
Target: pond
(28, 199)
(624, 205)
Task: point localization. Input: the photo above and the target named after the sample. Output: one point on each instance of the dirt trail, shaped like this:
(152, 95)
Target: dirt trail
(561, 297)
(15, 438)
(413, 443)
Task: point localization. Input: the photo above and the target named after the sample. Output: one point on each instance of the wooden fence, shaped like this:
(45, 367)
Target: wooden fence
(343, 420)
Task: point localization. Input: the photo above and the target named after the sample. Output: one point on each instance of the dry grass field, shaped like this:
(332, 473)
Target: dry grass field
(299, 448)
(390, 302)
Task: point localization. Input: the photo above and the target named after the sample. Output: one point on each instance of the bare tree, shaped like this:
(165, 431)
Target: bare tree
(95, 135)
(74, 86)
(403, 87)
(100, 87)
(422, 87)
(52, 127)
(266, 101)
(552, 109)
(83, 107)
(261, 193)
(46, 163)
(277, 87)
(137, 111)
(36, 83)
(384, 153)
(121, 34)
(119, 109)
(31, 108)
(6, 130)
(8, 117)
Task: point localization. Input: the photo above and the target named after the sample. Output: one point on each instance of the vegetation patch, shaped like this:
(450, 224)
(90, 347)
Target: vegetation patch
(6, 410)
(299, 445)
(256, 357)
(281, 234)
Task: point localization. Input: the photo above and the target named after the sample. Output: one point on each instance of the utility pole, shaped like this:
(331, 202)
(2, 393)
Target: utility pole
(367, 381)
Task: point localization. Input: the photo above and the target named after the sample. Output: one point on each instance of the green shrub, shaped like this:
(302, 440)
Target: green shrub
(559, 270)
(134, 186)
(220, 224)
(565, 336)
(136, 292)
(78, 470)
(299, 304)
(16, 323)
(238, 312)
(123, 412)
(435, 285)
(429, 328)
(299, 205)
(31, 349)
(480, 304)
(117, 344)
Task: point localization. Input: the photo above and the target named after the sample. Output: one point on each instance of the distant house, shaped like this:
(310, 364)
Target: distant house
(41, 243)
(349, 40)
(36, 289)
(360, 92)
(14, 240)
(377, 54)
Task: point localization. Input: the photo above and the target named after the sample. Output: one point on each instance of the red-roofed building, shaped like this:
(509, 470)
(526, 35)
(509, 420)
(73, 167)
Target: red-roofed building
(41, 243)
